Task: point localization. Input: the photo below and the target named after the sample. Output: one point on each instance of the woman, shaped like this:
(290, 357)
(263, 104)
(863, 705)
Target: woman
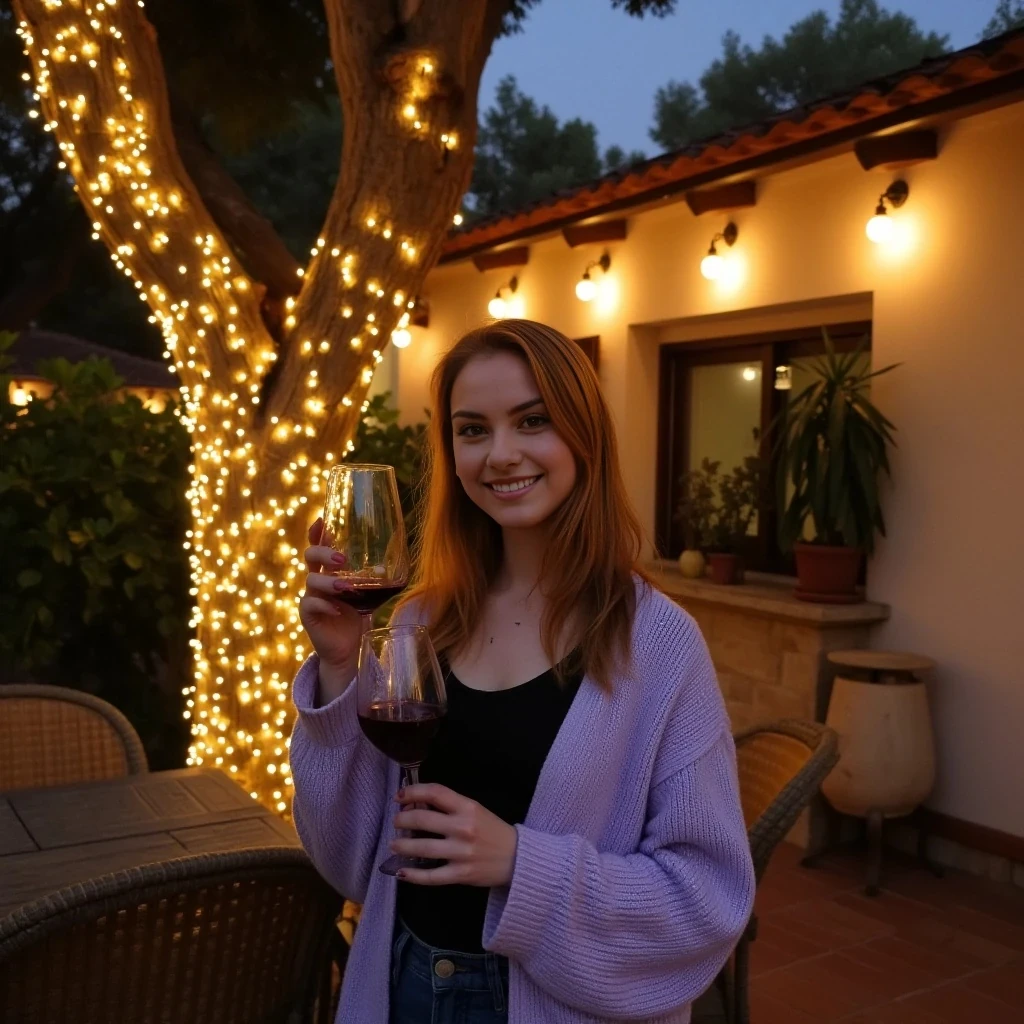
(583, 790)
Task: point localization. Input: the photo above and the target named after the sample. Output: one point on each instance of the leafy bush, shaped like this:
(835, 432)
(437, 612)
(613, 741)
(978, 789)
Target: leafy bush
(94, 593)
(381, 440)
(832, 443)
(717, 510)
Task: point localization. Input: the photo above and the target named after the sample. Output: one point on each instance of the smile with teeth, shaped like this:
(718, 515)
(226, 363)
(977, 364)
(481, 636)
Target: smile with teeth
(517, 485)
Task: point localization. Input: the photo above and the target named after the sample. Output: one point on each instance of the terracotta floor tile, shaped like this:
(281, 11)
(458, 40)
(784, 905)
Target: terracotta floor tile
(925, 951)
(941, 964)
(1005, 983)
(830, 924)
(894, 1013)
(957, 1004)
(766, 1010)
(826, 988)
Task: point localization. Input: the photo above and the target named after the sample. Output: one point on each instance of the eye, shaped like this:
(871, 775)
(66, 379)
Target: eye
(470, 430)
(535, 421)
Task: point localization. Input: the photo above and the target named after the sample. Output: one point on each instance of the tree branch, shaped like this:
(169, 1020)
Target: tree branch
(253, 238)
(102, 91)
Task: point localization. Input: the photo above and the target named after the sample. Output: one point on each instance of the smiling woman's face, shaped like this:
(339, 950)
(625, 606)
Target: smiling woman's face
(509, 458)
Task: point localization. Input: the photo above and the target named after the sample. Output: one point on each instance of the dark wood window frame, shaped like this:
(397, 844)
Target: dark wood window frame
(768, 350)
(591, 347)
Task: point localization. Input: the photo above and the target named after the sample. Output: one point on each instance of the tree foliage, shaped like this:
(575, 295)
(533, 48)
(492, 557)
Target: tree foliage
(1008, 15)
(815, 58)
(524, 153)
(94, 593)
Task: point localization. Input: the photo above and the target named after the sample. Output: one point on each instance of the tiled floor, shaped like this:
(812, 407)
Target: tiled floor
(927, 950)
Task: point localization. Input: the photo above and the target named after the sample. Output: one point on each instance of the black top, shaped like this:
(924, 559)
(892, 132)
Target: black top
(491, 747)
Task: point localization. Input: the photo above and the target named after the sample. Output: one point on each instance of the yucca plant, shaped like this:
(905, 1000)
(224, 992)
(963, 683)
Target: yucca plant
(832, 445)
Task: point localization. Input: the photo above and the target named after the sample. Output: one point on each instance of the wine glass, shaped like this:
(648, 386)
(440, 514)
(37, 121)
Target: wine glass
(400, 701)
(363, 520)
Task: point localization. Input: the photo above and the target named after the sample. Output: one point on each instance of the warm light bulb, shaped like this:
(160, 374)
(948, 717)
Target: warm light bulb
(712, 266)
(400, 338)
(749, 373)
(586, 289)
(880, 228)
(496, 307)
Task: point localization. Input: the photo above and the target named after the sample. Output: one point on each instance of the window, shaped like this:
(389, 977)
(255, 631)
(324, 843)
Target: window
(717, 401)
(590, 348)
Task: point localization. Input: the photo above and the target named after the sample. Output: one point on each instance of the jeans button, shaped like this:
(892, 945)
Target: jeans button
(444, 968)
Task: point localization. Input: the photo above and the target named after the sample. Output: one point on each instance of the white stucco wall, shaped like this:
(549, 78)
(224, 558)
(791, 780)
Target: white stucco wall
(946, 300)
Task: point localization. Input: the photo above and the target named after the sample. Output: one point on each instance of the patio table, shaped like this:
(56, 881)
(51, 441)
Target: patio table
(58, 835)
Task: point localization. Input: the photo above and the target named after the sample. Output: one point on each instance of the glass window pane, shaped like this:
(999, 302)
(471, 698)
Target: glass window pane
(725, 415)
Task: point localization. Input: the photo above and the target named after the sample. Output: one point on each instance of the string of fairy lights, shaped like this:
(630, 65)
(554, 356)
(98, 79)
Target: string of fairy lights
(244, 565)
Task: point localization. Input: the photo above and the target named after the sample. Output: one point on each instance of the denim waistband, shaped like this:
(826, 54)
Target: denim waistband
(450, 969)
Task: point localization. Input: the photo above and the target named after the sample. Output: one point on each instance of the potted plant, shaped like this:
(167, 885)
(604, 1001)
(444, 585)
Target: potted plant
(832, 444)
(717, 512)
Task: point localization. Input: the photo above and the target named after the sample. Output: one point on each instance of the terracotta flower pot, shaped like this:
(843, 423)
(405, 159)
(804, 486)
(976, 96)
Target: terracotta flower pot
(827, 575)
(724, 568)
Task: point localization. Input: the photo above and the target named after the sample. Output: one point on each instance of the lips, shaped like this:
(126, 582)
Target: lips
(513, 486)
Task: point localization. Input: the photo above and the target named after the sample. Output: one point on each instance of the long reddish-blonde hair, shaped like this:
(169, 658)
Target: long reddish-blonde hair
(595, 538)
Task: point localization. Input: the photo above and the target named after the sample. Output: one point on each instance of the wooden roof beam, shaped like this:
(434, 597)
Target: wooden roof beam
(592, 234)
(516, 257)
(725, 197)
(898, 150)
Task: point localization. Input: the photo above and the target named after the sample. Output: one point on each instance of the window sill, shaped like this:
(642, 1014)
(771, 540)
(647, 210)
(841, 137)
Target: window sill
(765, 595)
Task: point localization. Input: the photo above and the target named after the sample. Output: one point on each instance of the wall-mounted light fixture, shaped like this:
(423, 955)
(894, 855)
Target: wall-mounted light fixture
(498, 306)
(880, 227)
(783, 378)
(586, 287)
(713, 265)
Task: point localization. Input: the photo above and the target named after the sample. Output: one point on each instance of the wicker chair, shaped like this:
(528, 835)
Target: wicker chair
(781, 767)
(52, 736)
(226, 938)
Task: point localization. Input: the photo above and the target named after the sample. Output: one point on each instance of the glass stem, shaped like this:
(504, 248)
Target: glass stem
(366, 621)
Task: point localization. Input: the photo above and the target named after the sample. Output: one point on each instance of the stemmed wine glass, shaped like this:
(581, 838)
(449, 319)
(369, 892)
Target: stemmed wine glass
(363, 520)
(400, 702)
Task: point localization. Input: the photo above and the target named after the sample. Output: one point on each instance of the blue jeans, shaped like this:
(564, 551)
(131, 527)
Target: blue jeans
(437, 986)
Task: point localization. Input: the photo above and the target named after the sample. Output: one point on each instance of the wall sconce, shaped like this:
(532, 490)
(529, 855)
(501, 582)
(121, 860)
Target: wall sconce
(783, 378)
(498, 306)
(712, 265)
(586, 289)
(880, 228)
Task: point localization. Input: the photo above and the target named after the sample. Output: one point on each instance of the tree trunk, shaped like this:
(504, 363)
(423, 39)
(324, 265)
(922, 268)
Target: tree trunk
(262, 442)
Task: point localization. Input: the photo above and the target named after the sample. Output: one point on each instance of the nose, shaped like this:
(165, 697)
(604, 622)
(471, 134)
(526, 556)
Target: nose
(504, 451)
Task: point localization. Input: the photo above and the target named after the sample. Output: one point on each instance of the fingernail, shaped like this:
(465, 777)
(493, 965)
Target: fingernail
(338, 558)
(401, 795)
(342, 585)
(403, 874)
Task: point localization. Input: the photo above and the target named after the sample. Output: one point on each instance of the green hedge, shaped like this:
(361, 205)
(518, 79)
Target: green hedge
(94, 592)
(94, 587)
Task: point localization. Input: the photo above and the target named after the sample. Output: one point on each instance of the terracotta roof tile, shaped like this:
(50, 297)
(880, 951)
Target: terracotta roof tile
(31, 347)
(899, 94)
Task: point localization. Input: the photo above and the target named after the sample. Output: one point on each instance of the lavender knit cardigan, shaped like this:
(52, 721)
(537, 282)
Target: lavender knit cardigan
(632, 878)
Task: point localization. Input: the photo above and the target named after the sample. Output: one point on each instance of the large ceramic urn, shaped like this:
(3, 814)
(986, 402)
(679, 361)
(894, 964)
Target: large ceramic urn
(879, 708)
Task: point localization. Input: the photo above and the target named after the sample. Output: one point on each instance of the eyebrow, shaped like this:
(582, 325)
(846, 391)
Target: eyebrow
(466, 414)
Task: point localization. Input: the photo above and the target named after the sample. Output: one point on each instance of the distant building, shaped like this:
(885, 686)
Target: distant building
(147, 379)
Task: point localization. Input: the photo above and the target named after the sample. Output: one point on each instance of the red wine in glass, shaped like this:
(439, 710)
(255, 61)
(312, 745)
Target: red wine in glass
(402, 730)
(363, 521)
(400, 702)
(369, 596)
